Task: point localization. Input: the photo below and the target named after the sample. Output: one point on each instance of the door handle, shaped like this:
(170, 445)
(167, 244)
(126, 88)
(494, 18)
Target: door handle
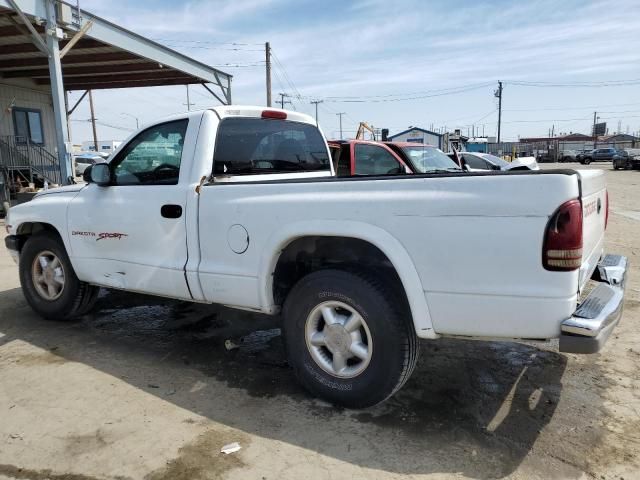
(171, 211)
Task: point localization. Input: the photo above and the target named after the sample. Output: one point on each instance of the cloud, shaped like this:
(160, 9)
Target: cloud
(373, 47)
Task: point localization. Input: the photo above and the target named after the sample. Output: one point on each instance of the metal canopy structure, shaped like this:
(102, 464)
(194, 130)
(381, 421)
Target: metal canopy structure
(57, 44)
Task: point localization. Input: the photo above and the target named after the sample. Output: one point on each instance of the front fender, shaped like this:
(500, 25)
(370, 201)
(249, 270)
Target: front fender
(375, 235)
(49, 209)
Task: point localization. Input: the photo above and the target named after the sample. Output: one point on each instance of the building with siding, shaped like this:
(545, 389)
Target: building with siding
(418, 135)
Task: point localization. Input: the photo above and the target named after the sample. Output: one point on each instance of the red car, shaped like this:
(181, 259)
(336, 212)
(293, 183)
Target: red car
(365, 157)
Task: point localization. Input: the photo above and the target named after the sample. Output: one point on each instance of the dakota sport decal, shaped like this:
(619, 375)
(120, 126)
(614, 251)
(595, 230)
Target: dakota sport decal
(99, 236)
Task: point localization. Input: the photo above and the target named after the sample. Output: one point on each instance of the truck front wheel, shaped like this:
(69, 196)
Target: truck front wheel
(348, 339)
(48, 281)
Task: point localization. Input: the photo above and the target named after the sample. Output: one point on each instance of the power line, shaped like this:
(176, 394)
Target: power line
(485, 84)
(436, 93)
(603, 83)
(242, 44)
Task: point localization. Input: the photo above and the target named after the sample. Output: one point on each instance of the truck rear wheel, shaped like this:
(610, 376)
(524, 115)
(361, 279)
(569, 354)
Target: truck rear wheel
(348, 339)
(48, 281)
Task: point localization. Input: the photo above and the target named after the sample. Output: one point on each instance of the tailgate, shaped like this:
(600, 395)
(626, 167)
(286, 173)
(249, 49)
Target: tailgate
(594, 210)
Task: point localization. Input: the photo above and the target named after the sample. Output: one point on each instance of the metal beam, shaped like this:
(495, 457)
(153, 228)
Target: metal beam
(70, 59)
(85, 28)
(124, 78)
(211, 92)
(77, 103)
(57, 94)
(27, 23)
(15, 31)
(30, 47)
(132, 84)
(84, 71)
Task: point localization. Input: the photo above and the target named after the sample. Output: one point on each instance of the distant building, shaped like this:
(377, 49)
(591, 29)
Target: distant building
(418, 135)
(572, 137)
(106, 146)
(455, 140)
(478, 144)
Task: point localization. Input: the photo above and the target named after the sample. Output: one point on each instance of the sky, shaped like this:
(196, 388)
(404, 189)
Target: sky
(431, 64)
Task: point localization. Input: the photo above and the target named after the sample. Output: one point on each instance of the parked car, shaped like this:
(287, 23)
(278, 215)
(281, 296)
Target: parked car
(475, 162)
(364, 157)
(567, 155)
(598, 155)
(83, 160)
(634, 156)
(546, 156)
(245, 211)
(622, 159)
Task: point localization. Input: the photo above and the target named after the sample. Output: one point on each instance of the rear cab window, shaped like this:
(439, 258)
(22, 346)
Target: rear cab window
(255, 146)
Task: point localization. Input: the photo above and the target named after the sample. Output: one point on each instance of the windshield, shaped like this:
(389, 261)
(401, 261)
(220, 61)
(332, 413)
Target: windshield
(426, 159)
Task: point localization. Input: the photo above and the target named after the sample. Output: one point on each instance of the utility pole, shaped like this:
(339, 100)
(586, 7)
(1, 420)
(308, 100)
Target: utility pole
(340, 115)
(267, 52)
(595, 137)
(498, 94)
(316, 102)
(283, 101)
(93, 121)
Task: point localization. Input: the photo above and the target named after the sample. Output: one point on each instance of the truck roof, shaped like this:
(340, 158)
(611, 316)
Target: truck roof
(226, 111)
(256, 111)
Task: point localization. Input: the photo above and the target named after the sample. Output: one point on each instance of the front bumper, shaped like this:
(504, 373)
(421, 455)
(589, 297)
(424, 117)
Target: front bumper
(587, 330)
(12, 242)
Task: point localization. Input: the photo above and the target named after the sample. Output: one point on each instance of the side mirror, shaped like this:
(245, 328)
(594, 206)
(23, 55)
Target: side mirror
(98, 173)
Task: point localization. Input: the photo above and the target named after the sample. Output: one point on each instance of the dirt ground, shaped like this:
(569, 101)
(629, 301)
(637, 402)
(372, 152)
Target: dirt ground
(144, 388)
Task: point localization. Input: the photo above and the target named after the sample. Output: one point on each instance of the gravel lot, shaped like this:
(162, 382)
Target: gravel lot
(145, 388)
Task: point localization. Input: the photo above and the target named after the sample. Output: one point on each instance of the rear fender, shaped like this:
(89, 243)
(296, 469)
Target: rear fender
(378, 237)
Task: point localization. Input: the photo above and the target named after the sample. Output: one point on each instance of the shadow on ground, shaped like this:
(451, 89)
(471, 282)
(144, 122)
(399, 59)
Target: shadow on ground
(474, 408)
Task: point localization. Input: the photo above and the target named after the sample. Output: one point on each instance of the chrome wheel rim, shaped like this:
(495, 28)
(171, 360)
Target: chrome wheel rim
(338, 339)
(47, 274)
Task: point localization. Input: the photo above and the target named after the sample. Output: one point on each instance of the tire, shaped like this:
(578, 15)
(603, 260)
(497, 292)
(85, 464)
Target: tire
(74, 298)
(586, 161)
(385, 332)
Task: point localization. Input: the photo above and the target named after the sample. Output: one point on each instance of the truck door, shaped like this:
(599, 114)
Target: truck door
(131, 234)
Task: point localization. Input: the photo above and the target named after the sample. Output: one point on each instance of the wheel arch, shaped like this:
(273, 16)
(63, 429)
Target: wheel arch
(376, 237)
(26, 229)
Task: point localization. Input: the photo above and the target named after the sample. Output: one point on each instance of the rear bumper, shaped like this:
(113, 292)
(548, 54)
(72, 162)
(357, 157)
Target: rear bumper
(587, 330)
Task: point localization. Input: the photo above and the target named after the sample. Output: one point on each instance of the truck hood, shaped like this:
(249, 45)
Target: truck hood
(66, 189)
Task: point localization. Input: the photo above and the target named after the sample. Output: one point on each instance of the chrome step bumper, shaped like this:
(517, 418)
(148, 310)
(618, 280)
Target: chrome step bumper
(597, 315)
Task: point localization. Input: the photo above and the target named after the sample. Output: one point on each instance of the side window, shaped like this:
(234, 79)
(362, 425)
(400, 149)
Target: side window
(27, 125)
(375, 160)
(153, 157)
(246, 146)
(476, 162)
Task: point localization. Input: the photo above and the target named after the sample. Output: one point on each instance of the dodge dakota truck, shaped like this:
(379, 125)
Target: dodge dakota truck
(239, 206)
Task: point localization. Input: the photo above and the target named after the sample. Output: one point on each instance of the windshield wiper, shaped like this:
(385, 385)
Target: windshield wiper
(444, 170)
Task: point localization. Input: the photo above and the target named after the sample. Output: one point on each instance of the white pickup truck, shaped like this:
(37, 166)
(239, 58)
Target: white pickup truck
(239, 206)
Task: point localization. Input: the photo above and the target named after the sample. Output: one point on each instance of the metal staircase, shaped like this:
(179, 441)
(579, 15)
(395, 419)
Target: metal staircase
(24, 162)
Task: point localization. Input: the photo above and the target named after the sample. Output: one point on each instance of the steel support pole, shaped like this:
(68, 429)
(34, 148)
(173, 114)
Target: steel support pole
(57, 93)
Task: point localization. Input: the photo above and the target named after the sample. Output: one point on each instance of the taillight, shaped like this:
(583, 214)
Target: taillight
(274, 114)
(562, 248)
(606, 212)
